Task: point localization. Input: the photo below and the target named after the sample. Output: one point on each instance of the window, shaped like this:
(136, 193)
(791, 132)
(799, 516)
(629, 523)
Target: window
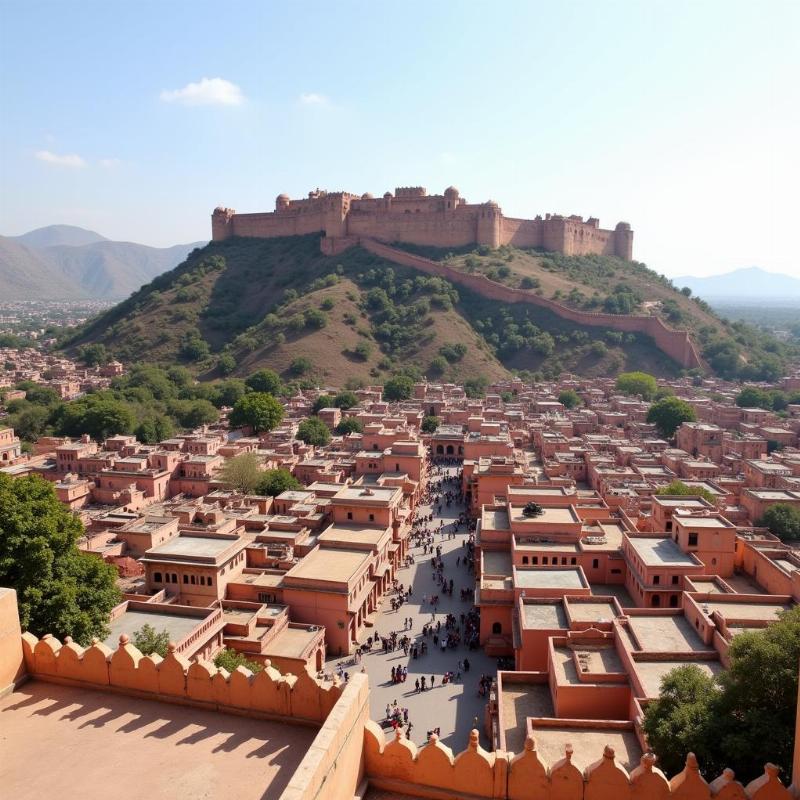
(372, 518)
(194, 579)
(675, 579)
(157, 577)
(535, 560)
(349, 515)
(397, 468)
(497, 628)
(656, 601)
(595, 563)
(186, 579)
(669, 525)
(656, 579)
(573, 561)
(673, 601)
(616, 572)
(524, 559)
(174, 577)
(692, 540)
(544, 559)
(563, 561)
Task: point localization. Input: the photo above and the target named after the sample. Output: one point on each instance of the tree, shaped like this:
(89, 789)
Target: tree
(148, 641)
(783, 520)
(569, 398)
(752, 397)
(532, 509)
(264, 380)
(226, 363)
(637, 383)
(242, 473)
(430, 424)
(300, 366)
(398, 387)
(438, 366)
(668, 414)
(679, 488)
(323, 401)
(257, 410)
(93, 354)
(349, 425)
(60, 590)
(226, 393)
(100, 415)
(345, 400)
(678, 721)
(313, 431)
(476, 387)
(746, 716)
(276, 481)
(154, 429)
(194, 413)
(229, 660)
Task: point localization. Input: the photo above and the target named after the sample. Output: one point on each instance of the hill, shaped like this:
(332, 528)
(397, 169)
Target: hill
(239, 304)
(751, 284)
(24, 275)
(52, 235)
(66, 262)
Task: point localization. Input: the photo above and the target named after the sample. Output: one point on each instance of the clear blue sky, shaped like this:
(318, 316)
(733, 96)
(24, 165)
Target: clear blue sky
(679, 117)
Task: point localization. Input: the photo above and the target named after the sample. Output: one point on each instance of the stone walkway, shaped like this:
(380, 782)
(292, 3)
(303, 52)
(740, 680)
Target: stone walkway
(453, 707)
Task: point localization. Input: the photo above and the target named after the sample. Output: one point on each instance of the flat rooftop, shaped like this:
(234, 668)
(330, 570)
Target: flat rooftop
(520, 701)
(749, 611)
(494, 520)
(330, 564)
(89, 741)
(353, 533)
(651, 672)
(198, 546)
(550, 515)
(291, 642)
(592, 611)
(546, 616)
(178, 625)
(496, 562)
(549, 579)
(588, 744)
(665, 634)
(660, 552)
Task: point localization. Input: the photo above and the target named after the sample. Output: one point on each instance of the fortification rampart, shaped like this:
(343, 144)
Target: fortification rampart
(299, 698)
(412, 215)
(676, 344)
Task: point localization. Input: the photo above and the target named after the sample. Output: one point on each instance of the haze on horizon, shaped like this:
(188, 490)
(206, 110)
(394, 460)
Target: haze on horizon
(136, 120)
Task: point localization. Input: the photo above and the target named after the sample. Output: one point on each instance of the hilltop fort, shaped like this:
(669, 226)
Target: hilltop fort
(413, 216)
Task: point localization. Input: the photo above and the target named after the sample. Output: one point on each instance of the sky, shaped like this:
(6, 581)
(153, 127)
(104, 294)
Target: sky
(137, 118)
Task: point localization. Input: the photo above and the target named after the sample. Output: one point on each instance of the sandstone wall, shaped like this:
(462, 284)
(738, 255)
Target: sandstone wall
(434, 772)
(448, 229)
(676, 344)
(298, 698)
(12, 665)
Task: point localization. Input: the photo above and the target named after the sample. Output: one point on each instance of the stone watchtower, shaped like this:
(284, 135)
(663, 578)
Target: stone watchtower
(488, 226)
(623, 241)
(222, 223)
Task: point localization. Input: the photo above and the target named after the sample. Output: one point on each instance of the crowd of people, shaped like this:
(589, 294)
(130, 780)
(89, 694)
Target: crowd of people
(449, 631)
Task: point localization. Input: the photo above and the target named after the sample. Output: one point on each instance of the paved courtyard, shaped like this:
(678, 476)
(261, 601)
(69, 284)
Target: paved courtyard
(453, 707)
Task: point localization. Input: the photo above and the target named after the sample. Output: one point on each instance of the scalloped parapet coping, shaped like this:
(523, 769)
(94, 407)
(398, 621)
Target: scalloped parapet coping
(433, 771)
(300, 698)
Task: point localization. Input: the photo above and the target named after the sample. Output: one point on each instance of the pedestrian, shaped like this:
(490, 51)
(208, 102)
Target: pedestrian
(432, 681)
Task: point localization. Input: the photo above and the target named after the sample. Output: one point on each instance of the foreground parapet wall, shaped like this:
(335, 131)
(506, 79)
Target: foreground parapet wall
(297, 698)
(434, 772)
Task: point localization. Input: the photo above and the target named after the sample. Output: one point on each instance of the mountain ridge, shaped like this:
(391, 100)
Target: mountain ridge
(745, 283)
(68, 262)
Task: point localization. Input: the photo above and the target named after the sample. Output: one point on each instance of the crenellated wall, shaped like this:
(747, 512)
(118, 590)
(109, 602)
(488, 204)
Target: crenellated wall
(434, 772)
(676, 344)
(301, 698)
(412, 215)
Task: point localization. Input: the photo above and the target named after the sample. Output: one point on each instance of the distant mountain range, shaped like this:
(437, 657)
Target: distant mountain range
(71, 263)
(750, 284)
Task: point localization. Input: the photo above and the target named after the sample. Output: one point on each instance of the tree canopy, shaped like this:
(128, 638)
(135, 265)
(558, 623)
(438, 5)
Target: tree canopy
(313, 431)
(398, 387)
(276, 481)
(147, 640)
(242, 472)
(229, 659)
(668, 414)
(679, 488)
(264, 380)
(256, 410)
(569, 398)
(60, 590)
(637, 383)
(430, 424)
(783, 520)
(745, 716)
(349, 425)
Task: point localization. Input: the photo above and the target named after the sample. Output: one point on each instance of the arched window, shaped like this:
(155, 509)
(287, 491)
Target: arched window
(524, 559)
(497, 628)
(439, 450)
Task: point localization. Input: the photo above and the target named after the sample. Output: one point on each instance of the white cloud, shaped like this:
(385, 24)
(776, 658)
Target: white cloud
(70, 160)
(110, 163)
(206, 92)
(313, 99)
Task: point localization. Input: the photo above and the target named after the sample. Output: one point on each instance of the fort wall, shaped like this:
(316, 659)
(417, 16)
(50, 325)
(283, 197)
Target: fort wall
(676, 344)
(411, 215)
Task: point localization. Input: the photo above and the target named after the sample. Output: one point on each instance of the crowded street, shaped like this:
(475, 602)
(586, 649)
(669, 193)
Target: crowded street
(427, 672)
